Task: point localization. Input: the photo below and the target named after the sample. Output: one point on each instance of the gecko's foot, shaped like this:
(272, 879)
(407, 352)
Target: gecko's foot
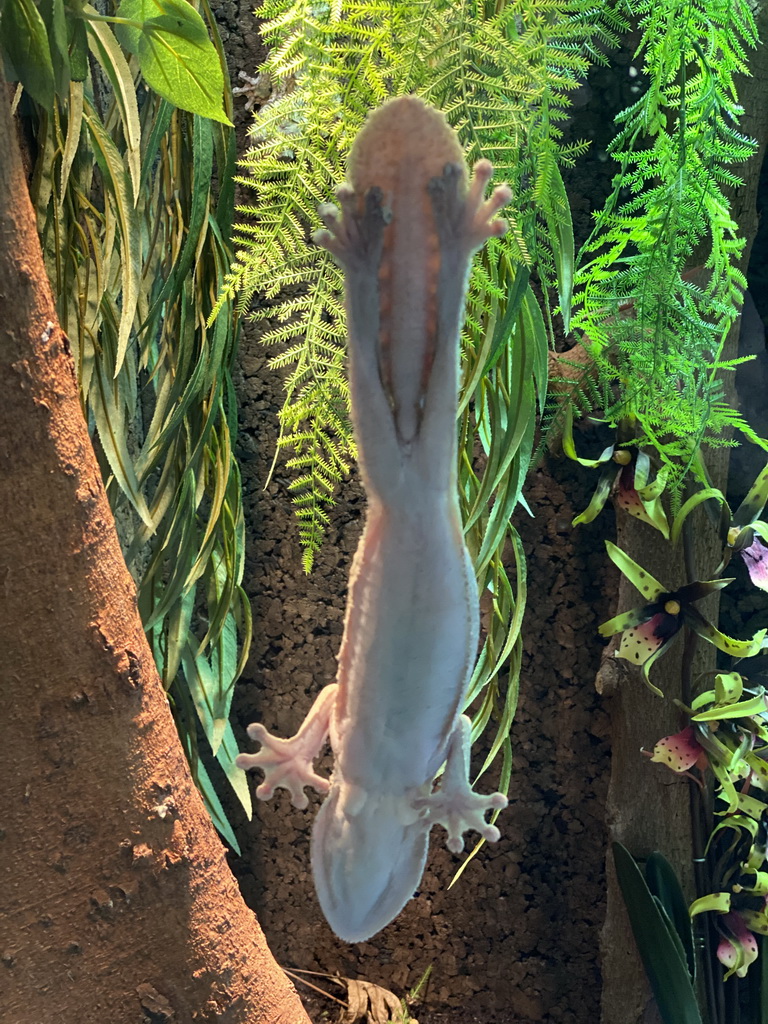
(470, 219)
(286, 764)
(355, 239)
(455, 805)
(458, 811)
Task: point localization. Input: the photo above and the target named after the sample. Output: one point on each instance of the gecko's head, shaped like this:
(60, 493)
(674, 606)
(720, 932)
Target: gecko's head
(368, 857)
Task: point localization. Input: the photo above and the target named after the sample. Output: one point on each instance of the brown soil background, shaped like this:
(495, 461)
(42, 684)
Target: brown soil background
(516, 940)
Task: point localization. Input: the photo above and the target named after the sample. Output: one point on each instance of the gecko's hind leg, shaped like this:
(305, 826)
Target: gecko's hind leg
(288, 764)
(455, 805)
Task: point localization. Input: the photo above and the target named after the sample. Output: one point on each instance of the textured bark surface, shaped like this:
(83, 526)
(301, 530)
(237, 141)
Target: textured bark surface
(116, 903)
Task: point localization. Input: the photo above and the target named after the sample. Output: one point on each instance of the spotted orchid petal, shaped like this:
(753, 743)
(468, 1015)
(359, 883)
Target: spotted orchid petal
(729, 687)
(756, 560)
(754, 705)
(717, 901)
(755, 920)
(634, 617)
(639, 499)
(738, 949)
(754, 881)
(649, 587)
(640, 643)
(736, 648)
(645, 644)
(755, 501)
(759, 769)
(681, 751)
(629, 499)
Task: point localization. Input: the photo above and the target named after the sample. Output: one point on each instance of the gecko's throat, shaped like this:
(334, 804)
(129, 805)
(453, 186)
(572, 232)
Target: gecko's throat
(367, 866)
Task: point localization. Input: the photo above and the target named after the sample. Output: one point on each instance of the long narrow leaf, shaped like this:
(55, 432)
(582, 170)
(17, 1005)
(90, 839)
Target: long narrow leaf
(660, 948)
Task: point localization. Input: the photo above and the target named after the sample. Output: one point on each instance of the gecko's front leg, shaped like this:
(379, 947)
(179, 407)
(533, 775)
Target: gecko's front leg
(354, 234)
(463, 221)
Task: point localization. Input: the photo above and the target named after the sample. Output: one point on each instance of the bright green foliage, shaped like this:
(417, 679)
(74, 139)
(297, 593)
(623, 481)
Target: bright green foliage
(176, 57)
(136, 245)
(501, 72)
(45, 46)
(676, 145)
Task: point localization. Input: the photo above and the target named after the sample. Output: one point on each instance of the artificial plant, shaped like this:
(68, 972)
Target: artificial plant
(654, 363)
(136, 242)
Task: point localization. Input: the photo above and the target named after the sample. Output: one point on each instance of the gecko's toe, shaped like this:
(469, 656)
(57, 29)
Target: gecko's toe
(376, 212)
(256, 731)
(444, 188)
(491, 834)
(455, 844)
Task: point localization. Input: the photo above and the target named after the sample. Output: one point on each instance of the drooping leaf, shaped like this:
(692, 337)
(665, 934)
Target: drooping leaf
(121, 193)
(109, 55)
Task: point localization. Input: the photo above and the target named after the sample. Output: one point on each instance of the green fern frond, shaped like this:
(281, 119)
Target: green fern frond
(502, 77)
(674, 146)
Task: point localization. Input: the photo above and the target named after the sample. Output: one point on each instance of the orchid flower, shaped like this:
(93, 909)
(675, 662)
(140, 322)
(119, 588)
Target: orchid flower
(727, 724)
(681, 751)
(737, 948)
(744, 533)
(755, 556)
(625, 473)
(648, 631)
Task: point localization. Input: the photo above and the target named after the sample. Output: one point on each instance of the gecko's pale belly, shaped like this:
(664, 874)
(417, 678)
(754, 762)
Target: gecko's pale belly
(410, 638)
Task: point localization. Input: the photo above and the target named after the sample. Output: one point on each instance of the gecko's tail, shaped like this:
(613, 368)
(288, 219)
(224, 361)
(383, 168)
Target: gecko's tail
(366, 865)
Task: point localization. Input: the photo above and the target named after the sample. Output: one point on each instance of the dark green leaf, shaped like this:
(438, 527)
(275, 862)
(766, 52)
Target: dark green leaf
(503, 332)
(557, 215)
(24, 37)
(658, 944)
(52, 13)
(663, 883)
(78, 49)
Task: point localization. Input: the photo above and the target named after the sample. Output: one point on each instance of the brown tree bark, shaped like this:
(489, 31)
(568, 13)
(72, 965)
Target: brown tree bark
(116, 902)
(648, 808)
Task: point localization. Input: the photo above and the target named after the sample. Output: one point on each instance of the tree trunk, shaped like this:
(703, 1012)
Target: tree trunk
(648, 807)
(116, 903)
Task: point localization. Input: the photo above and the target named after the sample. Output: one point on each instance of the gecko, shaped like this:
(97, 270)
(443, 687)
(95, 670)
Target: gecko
(404, 234)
